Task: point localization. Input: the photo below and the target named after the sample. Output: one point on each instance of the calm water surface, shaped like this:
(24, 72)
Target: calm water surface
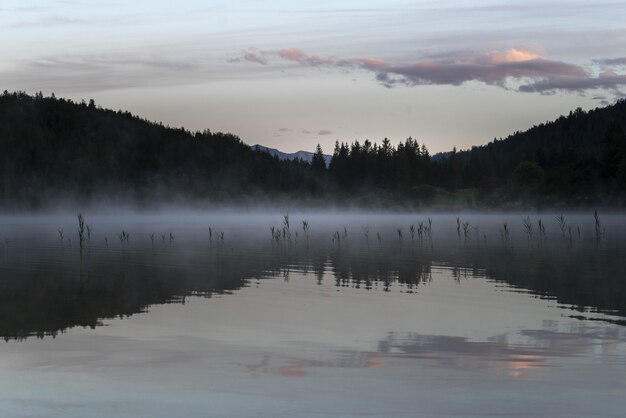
(352, 318)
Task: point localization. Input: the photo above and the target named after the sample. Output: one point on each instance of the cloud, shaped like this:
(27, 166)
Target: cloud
(251, 56)
(491, 69)
(72, 73)
(107, 63)
(612, 61)
(294, 54)
(319, 132)
(518, 69)
(607, 79)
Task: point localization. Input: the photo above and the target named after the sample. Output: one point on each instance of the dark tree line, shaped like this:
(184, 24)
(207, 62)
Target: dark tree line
(579, 159)
(362, 168)
(56, 149)
(59, 149)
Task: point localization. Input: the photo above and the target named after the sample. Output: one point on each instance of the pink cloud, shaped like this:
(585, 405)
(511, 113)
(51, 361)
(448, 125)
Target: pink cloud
(515, 68)
(511, 55)
(476, 69)
(295, 54)
(371, 63)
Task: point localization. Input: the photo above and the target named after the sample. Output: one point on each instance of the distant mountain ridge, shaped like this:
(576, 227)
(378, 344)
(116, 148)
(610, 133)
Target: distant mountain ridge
(299, 155)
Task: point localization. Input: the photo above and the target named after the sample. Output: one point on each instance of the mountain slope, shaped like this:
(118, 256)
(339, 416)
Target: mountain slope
(580, 155)
(57, 149)
(299, 155)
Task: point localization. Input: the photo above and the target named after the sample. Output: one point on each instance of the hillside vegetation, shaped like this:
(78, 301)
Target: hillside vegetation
(55, 150)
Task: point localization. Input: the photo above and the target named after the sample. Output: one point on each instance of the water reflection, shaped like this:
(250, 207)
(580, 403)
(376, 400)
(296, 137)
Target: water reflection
(245, 327)
(499, 355)
(48, 286)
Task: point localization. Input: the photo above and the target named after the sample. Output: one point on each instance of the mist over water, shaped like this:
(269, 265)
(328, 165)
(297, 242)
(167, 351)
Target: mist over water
(248, 313)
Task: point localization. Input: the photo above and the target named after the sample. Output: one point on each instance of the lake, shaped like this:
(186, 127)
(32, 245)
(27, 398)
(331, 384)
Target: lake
(243, 314)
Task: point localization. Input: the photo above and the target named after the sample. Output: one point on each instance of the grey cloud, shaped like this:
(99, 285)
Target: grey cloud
(74, 73)
(494, 74)
(250, 56)
(107, 62)
(516, 68)
(612, 61)
(608, 81)
(325, 132)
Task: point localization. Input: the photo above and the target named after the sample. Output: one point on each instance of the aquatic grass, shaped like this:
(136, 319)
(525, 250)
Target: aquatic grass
(306, 228)
(504, 233)
(123, 237)
(399, 234)
(528, 227)
(542, 230)
(560, 220)
(598, 226)
(81, 229)
(466, 230)
(60, 231)
(286, 229)
(276, 235)
(458, 227)
(429, 231)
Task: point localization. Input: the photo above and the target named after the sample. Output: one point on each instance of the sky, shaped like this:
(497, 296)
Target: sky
(290, 75)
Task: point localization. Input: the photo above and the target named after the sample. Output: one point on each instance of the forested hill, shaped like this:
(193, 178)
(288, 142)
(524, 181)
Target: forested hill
(576, 158)
(53, 150)
(56, 150)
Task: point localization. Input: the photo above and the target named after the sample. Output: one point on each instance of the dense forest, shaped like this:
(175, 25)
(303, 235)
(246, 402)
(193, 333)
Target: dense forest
(55, 150)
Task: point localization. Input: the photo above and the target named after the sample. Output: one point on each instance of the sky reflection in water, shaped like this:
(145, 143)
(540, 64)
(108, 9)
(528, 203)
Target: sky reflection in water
(303, 332)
